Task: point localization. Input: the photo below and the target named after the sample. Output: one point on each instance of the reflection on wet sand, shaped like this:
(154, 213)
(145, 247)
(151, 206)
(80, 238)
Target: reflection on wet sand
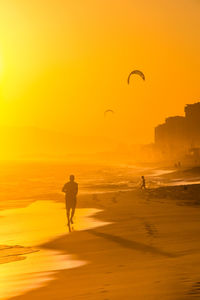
(31, 266)
(35, 271)
(183, 182)
(14, 253)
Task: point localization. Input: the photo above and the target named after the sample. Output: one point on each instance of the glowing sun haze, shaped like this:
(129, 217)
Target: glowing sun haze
(63, 63)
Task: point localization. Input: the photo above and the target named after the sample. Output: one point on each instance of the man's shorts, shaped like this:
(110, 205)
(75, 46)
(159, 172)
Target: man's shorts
(70, 203)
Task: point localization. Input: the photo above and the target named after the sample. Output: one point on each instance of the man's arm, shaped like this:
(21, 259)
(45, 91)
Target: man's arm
(64, 189)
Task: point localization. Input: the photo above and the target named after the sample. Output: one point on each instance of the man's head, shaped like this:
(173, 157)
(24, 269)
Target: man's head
(71, 177)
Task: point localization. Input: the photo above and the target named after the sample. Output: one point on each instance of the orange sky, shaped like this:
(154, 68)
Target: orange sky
(62, 63)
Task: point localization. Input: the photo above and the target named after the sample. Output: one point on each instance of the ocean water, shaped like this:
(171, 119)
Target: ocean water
(23, 181)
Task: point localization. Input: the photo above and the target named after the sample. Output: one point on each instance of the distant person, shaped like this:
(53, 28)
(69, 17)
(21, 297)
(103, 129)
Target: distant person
(70, 189)
(143, 184)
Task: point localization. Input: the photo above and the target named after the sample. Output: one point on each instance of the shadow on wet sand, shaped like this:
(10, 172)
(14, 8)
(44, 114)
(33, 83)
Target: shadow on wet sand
(132, 244)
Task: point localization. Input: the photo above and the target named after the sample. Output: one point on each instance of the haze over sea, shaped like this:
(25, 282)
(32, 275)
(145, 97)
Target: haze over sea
(24, 181)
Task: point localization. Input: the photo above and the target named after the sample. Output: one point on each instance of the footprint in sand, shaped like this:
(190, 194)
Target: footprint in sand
(95, 197)
(114, 200)
(150, 229)
(195, 290)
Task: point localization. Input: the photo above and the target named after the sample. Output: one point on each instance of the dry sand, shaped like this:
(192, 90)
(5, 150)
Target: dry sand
(151, 249)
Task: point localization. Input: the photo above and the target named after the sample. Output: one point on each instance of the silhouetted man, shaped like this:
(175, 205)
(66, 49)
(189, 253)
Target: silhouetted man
(70, 189)
(143, 185)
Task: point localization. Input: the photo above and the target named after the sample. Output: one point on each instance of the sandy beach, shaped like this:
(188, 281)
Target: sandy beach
(149, 251)
(132, 243)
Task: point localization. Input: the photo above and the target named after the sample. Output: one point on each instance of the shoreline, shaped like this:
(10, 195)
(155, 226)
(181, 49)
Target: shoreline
(139, 241)
(23, 268)
(142, 235)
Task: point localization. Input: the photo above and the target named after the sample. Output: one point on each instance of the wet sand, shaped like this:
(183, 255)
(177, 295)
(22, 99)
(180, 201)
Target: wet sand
(181, 176)
(150, 249)
(24, 264)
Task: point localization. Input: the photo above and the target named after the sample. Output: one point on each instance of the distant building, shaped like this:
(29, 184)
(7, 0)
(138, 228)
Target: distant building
(180, 135)
(192, 116)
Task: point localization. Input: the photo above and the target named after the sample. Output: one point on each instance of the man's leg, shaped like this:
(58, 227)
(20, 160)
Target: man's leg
(72, 214)
(73, 211)
(67, 210)
(68, 215)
